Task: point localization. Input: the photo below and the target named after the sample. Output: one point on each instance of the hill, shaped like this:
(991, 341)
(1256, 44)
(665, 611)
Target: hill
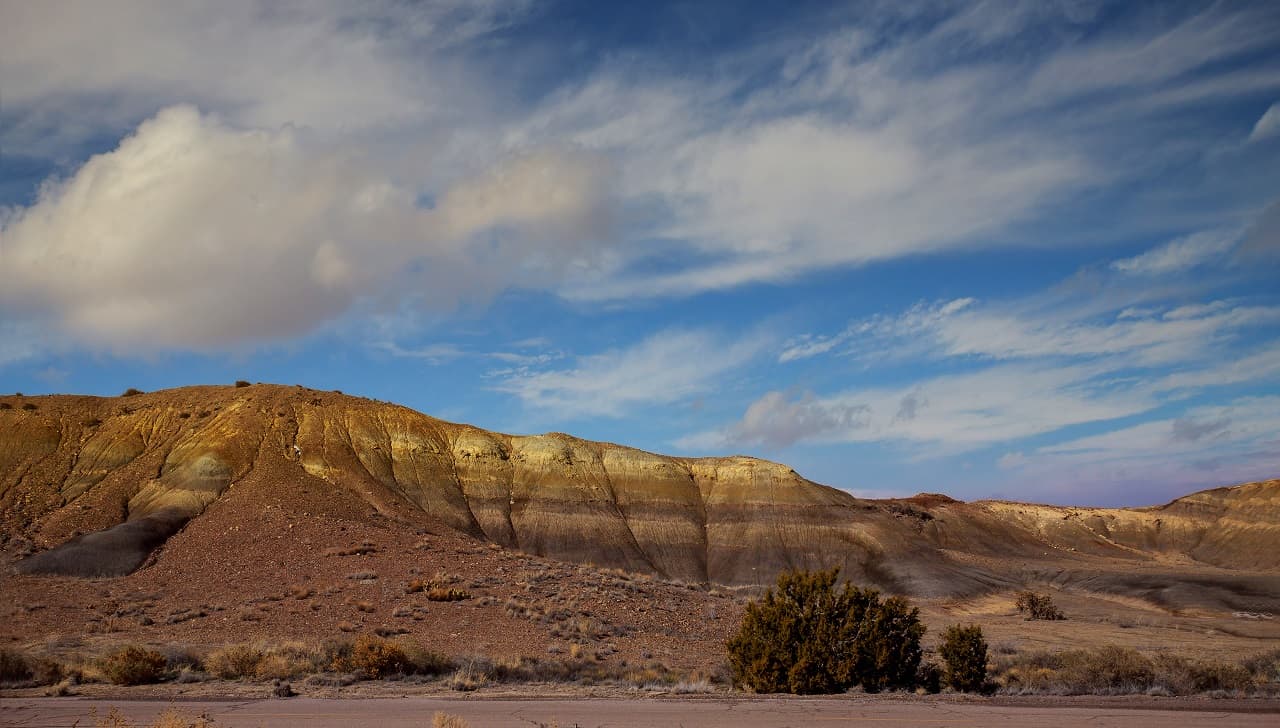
(224, 501)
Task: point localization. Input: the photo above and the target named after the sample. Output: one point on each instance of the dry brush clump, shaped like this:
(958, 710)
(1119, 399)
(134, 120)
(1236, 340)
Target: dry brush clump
(1115, 670)
(266, 661)
(170, 718)
(134, 665)
(19, 669)
(1037, 606)
(448, 720)
(437, 589)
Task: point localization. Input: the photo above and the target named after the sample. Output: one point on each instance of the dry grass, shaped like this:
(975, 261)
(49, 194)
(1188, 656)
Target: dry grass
(1113, 670)
(468, 678)
(446, 594)
(448, 720)
(170, 718)
(234, 662)
(133, 665)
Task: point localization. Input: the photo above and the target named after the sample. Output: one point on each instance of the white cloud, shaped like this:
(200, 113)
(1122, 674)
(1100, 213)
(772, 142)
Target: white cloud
(1023, 330)
(1181, 254)
(669, 366)
(430, 353)
(1217, 444)
(197, 234)
(1142, 60)
(1011, 460)
(1036, 366)
(948, 414)
(1258, 366)
(1268, 124)
(879, 138)
(338, 67)
(776, 421)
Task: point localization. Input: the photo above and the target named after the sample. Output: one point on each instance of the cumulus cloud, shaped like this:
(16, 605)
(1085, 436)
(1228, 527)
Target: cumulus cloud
(669, 366)
(194, 233)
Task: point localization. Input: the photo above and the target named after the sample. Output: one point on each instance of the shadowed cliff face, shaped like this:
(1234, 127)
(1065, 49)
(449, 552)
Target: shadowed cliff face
(99, 484)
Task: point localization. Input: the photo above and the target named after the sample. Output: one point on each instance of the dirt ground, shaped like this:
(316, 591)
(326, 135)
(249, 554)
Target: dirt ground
(624, 712)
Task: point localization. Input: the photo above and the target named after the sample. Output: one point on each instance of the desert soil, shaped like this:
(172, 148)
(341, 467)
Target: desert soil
(620, 713)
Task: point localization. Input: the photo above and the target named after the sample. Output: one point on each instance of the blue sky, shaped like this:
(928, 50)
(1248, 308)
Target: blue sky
(994, 249)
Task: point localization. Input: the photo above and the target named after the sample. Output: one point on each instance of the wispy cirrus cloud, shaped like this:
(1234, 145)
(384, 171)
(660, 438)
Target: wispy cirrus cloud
(1268, 124)
(1236, 441)
(666, 367)
(1029, 367)
(1181, 254)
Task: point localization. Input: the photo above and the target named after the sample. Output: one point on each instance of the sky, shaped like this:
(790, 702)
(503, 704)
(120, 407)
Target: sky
(1020, 250)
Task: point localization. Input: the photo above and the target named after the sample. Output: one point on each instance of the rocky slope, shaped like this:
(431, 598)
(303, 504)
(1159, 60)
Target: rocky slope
(97, 486)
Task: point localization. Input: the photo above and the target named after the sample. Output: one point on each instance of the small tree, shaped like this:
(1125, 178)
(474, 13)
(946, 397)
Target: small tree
(806, 636)
(965, 651)
(1037, 606)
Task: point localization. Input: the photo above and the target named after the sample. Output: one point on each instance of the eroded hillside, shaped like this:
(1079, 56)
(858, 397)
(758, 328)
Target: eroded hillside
(94, 486)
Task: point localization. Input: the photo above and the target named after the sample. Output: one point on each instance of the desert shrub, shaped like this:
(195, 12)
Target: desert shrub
(1037, 606)
(5, 406)
(376, 658)
(426, 662)
(133, 665)
(446, 594)
(177, 657)
(1182, 676)
(448, 720)
(14, 666)
(965, 652)
(29, 406)
(468, 677)
(233, 662)
(48, 672)
(1107, 670)
(170, 718)
(241, 383)
(805, 636)
(929, 677)
(1264, 666)
(131, 392)
(1113, 670)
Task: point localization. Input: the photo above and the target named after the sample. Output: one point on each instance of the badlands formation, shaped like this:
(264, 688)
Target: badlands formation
(222, 501)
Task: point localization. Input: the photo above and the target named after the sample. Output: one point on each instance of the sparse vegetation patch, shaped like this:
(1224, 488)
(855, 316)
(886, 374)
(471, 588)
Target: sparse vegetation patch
(1037, 606)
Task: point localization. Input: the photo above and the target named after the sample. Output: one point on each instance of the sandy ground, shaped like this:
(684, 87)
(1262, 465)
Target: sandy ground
(622, 713)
